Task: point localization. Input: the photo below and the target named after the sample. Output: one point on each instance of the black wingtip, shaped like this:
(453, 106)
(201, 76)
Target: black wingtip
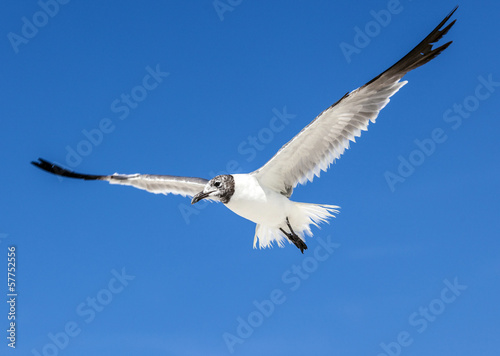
(45, 165)
(41, 163)
(453, 11)
(60, 171)
(421, 53)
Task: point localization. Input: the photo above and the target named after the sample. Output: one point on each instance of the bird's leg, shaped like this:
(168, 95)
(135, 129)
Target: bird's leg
(292, 236)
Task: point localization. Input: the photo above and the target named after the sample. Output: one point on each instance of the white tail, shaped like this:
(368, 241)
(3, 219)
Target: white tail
(302, 216)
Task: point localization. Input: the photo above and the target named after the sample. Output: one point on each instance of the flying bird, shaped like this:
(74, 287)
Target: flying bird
(263, 196)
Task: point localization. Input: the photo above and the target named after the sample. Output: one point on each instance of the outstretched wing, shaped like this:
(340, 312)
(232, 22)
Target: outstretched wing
(185, 186)
(327, 137)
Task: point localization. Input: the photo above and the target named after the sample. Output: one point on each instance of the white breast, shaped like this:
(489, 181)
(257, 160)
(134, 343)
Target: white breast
(256, 203)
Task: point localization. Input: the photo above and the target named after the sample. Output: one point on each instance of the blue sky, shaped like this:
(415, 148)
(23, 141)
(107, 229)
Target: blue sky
(411, 264)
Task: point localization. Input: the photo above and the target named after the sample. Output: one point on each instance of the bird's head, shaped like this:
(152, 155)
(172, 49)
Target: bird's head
(220, 188)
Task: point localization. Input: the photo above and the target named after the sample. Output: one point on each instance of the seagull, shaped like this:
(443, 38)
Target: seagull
(263, 196)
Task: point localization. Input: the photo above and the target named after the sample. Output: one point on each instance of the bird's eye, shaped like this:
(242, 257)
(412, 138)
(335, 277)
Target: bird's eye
(217, 184)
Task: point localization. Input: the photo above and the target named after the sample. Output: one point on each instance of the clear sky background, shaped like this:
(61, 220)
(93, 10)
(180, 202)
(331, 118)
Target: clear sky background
(412, 261)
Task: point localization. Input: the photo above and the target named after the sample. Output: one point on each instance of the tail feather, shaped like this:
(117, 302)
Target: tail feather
(301, 219)
(316, 214)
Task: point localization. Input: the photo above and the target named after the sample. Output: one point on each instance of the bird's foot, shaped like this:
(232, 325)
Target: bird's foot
(292, 236)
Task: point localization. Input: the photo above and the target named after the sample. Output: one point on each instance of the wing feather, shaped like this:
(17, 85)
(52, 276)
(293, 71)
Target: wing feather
(158, 184)
(326, 138)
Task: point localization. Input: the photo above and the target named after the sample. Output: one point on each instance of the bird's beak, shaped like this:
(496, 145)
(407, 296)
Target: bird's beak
(200, 196)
